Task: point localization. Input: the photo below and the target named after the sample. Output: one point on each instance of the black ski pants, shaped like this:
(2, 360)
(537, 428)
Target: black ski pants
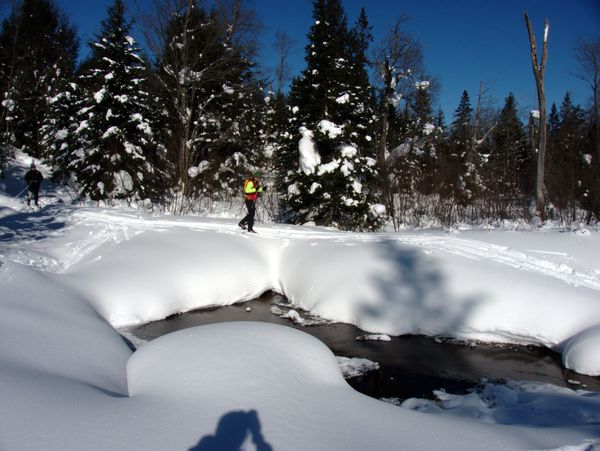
(249, 218)
(34, 191)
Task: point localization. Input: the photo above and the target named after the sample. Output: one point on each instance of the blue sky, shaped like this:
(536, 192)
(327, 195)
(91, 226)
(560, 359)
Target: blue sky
(465, 42)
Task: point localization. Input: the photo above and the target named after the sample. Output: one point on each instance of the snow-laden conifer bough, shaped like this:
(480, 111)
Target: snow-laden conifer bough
(71, 274)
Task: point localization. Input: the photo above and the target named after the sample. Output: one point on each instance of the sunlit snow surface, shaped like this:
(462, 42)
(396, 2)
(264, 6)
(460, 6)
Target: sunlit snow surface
(71, 273)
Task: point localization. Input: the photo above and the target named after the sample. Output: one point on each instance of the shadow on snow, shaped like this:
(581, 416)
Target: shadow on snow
(28, 225)
(415, 292)
(233, 430)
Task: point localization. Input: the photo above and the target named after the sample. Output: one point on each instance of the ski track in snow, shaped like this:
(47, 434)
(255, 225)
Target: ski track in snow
(118, 226)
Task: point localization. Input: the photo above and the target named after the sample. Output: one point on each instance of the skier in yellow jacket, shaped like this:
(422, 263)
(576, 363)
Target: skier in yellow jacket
(252, 189)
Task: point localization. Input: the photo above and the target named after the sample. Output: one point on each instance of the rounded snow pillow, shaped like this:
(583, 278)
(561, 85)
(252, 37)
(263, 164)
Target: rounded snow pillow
(582, 353)
(231, 358)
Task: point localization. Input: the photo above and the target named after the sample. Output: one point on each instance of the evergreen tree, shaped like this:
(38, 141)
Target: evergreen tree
(359, 86)
(440, 120)
(460, 178)
(277, 137)
(461, 131)
(59, 137)
(505, 169)
(35, 40)
(119, 155)
(553, 120)
(428, 135)
(422, 110)
(565, 158)
(331, 181)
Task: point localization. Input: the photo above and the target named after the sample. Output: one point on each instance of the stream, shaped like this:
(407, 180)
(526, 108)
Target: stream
(409, 365)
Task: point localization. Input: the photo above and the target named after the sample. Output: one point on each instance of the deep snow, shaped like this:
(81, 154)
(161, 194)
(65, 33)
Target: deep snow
(70, 274)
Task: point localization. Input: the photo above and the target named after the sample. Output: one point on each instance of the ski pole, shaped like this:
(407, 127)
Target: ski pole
(267, 209)
(21, 192)
(258, 215)
(239, 209)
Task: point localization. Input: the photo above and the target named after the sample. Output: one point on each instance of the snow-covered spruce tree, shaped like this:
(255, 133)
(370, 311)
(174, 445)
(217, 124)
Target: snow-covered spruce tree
(427, 136)
(505, 168)
(59, 126)
(275, 138)
(331, 168)
(10, 112)
(118, 154)
(34, 40)
(236, 146)
(205, 81)
(566, 163)
(461, 162)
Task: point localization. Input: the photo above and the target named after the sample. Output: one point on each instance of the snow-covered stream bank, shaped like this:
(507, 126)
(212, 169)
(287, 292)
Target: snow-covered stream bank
(70, 275)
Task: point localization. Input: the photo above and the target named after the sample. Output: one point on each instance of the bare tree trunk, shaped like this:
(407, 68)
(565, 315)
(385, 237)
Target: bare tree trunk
(283, 45)
(538, 72)
(398, 57)
(478, 112)
(382, 149)
(184, 71)
(587, 54)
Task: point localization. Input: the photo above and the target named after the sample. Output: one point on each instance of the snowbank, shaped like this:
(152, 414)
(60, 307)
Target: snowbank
(69, 382)
(390, 288)
(384, 285)
(155, 274)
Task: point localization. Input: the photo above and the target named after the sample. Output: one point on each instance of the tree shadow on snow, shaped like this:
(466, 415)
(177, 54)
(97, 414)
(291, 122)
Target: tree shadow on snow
(233, 430)
(416, 288)
(30, 225)
(415, 295)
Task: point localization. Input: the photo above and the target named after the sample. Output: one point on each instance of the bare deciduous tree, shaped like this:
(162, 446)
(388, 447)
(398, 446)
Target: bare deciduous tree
(485, 118)
(587, 54)
(283, 45)
(397, 59)
(195, 54)
(538, 72)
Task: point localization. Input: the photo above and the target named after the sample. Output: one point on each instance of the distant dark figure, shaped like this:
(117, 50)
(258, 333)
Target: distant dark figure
(34, 178)
(233, 430)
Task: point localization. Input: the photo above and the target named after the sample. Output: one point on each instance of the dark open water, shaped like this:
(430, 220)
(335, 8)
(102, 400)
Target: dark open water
(410, 366)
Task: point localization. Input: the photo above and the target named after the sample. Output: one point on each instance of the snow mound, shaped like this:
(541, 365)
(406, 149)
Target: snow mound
(236, 354)
(582, 353)
(179, 274)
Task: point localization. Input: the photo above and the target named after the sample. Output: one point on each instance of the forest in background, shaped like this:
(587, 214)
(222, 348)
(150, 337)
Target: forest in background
(355, 142)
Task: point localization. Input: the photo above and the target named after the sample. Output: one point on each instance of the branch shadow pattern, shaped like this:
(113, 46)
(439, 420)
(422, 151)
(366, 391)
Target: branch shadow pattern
(416, 292)
(30, 226)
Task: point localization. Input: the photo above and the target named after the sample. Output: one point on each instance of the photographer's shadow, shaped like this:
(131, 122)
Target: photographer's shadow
(233, 430)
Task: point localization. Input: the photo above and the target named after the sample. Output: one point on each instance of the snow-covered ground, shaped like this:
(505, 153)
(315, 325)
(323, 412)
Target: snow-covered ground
(70, 274)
